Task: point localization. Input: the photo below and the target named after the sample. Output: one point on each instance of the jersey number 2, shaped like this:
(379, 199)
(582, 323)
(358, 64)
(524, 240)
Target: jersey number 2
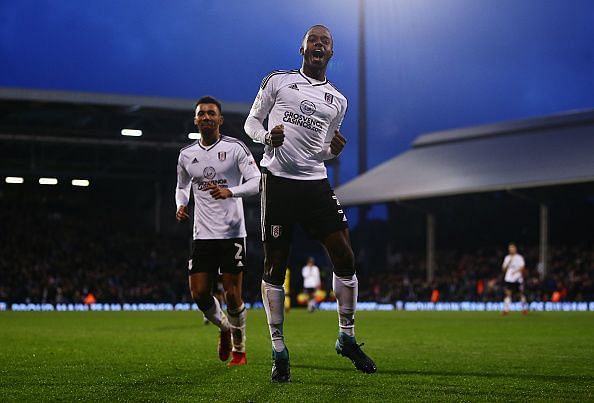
(239, 250)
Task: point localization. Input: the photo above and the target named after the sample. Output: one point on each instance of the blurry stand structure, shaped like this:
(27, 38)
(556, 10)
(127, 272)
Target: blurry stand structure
(538, 158)
(71, 135)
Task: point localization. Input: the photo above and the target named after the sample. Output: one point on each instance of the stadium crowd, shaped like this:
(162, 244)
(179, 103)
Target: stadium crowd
(477, 276)
(59, 253)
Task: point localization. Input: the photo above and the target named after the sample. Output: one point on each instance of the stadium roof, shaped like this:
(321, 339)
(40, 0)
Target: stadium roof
(72, 134)
(553, 150)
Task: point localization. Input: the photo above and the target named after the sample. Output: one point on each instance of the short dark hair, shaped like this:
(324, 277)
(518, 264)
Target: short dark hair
(209, 100)
(318, 26)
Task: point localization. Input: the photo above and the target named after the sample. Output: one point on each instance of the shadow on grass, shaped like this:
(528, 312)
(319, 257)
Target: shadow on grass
(536, 377)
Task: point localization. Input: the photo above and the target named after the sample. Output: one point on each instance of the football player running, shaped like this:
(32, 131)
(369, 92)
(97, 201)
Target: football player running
(220, 170)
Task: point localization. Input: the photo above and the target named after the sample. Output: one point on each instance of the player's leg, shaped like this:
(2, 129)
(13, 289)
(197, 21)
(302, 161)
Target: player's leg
(507, 299)
(326, 221)
(273, 294)
(273, 297)
(200, 287)
(311, 301)
(237, 315)
(232, 270)
(523, 299)
(277, 229)
(203, 267)
(346, 288)
(344, 281)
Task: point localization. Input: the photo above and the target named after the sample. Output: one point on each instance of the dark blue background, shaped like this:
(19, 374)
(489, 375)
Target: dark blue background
(432, 64)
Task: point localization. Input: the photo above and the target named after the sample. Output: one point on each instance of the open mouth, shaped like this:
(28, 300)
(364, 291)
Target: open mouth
(317, 54)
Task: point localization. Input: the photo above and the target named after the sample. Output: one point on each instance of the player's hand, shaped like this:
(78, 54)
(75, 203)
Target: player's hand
(182, 214)
(337, 143)
(276, 137)
(218, 193)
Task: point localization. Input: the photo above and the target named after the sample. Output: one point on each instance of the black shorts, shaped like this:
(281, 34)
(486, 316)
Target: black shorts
(514, 287)
(309, 203)
(217, 255)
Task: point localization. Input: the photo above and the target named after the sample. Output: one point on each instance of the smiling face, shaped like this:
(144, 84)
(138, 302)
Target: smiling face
(317, 48)
(208, 118)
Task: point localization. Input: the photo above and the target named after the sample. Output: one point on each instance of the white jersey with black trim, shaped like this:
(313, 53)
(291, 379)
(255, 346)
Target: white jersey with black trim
(225, 163)
(310, 111)
(513, 265)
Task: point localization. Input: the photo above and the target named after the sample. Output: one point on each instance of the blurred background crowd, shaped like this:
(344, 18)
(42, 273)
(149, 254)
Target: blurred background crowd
(68, 247)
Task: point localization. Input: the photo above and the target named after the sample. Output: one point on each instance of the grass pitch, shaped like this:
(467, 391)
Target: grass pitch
(171, 356)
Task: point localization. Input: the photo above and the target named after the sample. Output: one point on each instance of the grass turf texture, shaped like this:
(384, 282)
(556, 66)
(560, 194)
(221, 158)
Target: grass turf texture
(171, 356)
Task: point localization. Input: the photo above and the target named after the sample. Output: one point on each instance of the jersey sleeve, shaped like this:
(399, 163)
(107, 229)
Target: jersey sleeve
(254, 124)
(250, 173)
(184, 181)
(505, 262)
(334, 125)
(247, 165)
(522, 263)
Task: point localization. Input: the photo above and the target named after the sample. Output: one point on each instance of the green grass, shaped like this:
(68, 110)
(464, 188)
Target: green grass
(171, 356)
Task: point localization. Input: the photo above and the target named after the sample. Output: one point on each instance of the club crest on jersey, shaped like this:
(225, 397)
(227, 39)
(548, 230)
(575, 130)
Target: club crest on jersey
(222, 155)
(329, 97)
(275, 230)
(307, 107)
(209, 173)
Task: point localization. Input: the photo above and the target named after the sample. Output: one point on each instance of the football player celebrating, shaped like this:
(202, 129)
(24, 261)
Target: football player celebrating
(220, 170)
(304, 112)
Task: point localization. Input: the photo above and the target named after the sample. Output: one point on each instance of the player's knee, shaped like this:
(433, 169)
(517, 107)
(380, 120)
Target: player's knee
(202, 298)
(233, 297)
(274, 271)
(344, 263)
(273, 278)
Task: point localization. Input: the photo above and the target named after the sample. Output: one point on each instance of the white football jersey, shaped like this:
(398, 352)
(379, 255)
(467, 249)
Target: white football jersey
(226, 163)
(311, 276)
(310, 111)
(514, 265)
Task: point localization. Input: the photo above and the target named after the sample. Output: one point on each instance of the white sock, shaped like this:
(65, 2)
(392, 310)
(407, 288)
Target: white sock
(506, 302)
(346, 290)
(217, 317)
(237, 318)
(273, 297)
(311, 305)
(524, 304)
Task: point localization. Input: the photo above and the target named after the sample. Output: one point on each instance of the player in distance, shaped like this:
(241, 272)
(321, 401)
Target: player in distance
(514, 269)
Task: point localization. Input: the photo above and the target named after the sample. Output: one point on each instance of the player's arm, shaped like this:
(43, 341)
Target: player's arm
(504, 265)
(249, 170)
(182, 191)
(254, 124)
(335, 141)
(248, 188)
